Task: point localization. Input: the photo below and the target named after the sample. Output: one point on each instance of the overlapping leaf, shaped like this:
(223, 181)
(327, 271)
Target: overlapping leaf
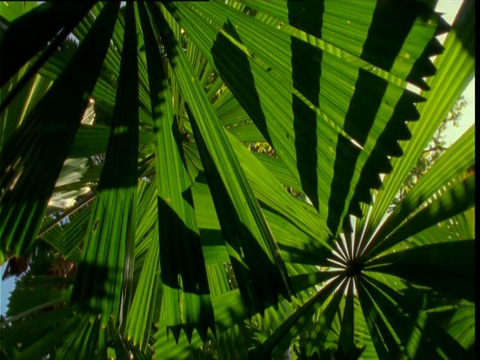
(252, 248)
(186, 302)
(47, 133)
(112, 222)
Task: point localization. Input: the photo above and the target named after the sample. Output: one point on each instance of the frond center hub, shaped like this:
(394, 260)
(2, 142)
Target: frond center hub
(354, 267)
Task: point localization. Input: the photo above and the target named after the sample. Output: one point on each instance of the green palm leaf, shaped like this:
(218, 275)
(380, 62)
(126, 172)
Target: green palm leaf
(456, 68)
(236, 207)
(53, 17)
(20, 164)
(424, 265)
(291, 252)
(186, 302)
(112, 223)
(457, 160)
